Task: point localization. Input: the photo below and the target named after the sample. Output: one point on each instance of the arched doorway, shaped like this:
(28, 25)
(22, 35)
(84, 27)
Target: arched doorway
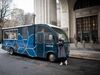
(68, 17)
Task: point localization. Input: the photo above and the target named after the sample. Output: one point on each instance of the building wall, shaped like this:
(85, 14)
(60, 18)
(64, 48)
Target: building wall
(28, 18)
(87, 11)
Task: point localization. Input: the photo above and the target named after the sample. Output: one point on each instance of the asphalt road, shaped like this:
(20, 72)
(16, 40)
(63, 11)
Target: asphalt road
(22, 65)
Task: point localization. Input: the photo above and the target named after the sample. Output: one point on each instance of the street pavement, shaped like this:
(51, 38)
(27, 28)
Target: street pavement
(23, 65)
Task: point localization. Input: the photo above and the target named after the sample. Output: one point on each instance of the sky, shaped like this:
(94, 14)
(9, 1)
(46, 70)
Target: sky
(26, 5)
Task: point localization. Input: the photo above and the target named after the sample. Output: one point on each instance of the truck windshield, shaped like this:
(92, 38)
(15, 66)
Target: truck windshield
(61, 34)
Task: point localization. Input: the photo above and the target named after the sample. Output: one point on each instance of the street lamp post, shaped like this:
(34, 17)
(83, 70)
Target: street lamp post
(34, 18)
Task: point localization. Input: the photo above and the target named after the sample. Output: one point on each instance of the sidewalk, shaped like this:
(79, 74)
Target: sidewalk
(86, 53)
(1, 50)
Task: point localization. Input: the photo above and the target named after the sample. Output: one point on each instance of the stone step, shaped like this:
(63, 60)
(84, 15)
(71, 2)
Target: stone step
(95, 55)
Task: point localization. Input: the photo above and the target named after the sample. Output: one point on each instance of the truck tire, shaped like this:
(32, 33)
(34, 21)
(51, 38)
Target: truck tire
(51, 57)
(11, 51)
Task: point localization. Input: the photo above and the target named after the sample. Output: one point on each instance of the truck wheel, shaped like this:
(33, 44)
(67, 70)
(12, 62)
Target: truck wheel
(11, 51)
(51, 57)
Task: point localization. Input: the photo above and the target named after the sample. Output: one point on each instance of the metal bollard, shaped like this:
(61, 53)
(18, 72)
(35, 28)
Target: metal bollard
(83, 43)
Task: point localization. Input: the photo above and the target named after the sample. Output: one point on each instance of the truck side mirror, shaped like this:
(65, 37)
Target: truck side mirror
(50, 37)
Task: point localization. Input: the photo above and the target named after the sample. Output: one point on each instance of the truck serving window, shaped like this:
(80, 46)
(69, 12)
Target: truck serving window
(10, 34)
(47, 34)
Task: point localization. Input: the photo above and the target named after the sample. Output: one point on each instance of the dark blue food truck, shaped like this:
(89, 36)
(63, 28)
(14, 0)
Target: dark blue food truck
(37, 40)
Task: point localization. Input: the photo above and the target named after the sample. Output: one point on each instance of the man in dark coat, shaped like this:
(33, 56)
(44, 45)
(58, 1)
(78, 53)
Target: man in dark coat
(61, 52)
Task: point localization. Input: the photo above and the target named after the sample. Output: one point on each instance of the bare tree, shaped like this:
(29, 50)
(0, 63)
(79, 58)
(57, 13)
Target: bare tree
(4, 10)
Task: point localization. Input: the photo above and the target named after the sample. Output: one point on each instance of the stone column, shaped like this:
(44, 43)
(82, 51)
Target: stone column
(72, 20)
(45, 11)
(68, 19)
(64, 15)
(99, 26)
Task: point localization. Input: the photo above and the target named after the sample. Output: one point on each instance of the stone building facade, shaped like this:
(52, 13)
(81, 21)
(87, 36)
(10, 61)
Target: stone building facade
(79, 18)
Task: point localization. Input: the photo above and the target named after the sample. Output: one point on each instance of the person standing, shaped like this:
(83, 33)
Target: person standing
(62, 52)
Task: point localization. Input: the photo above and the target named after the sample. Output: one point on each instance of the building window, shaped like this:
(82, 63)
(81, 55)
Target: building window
(87, 29)
(86, 3)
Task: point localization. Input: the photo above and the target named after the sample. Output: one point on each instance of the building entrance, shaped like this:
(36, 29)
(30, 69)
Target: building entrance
(87, 29)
